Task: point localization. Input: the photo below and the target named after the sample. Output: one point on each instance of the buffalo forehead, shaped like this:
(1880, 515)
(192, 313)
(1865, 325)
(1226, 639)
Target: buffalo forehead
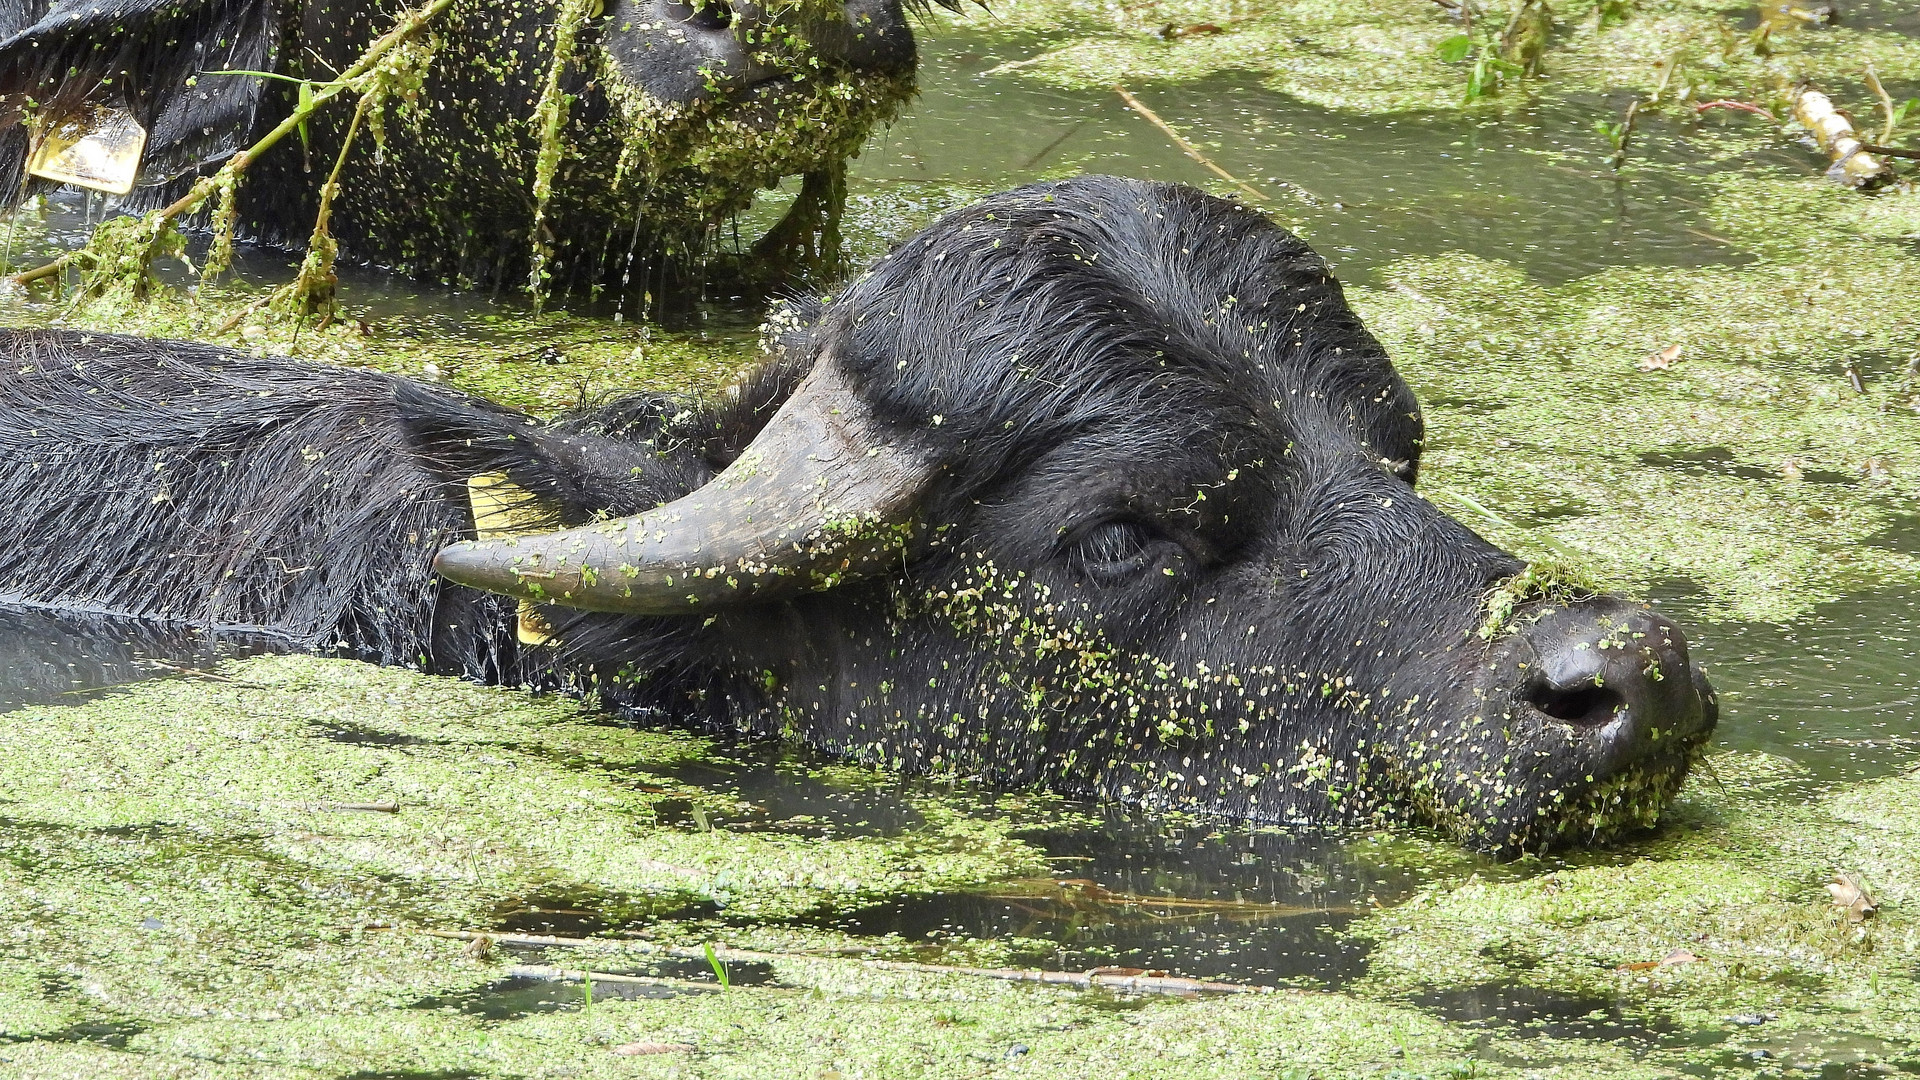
(1111, 305)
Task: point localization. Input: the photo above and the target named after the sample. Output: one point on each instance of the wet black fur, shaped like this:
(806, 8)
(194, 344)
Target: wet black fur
(1175, 556)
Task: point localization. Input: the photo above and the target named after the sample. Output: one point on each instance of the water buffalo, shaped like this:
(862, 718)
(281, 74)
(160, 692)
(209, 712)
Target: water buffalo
(1098, 484)
(678, 113)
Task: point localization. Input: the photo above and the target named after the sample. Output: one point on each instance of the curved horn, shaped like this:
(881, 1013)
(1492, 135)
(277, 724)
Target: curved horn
(822, 495)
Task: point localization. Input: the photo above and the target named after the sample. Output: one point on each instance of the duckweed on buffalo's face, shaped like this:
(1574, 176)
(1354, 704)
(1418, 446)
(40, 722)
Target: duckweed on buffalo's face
(1233, 602)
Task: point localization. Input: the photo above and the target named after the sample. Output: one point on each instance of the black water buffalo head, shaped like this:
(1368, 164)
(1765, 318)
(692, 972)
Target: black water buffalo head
(676, 114)
(1101, 484)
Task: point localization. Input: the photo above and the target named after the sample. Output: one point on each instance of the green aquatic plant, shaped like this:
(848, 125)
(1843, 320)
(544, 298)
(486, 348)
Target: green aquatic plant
(719, 967)
(1496, 60)
(1386, 57)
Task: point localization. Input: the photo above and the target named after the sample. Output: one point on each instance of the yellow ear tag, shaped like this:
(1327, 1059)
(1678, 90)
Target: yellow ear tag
(99, 147)
(503, 509)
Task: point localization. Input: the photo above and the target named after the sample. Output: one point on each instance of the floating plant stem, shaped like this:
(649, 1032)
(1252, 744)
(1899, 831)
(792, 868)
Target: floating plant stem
(1186, 147)
(1553, 543)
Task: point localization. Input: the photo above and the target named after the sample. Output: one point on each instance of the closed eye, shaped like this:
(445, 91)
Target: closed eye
(1116, 551)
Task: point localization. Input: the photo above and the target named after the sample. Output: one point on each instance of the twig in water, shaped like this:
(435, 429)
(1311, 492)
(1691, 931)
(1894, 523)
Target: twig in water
(346, 807)
(1054, 145)
(1186, 147)
(1625, 140)
(559, 974)
(194, 672)
(1741, 106)
(1886, 103)
(1705, 235)
(632, 944)
(1889, 151)
(1135, 983)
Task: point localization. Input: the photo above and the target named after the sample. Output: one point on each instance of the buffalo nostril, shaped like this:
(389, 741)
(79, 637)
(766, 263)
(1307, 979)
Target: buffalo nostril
(1585, 705)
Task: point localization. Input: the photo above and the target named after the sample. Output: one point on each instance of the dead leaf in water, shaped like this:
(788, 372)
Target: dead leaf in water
(1662, 360)
(1172, 31)
(1851, 895)
(645, 1049)
(1676, 957)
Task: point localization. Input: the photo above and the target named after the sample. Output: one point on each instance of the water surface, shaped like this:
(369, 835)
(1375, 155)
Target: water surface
(1837, 691)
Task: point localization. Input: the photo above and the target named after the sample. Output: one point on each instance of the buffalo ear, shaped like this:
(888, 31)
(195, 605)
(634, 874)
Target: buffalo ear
(572, 475)
(146, 57)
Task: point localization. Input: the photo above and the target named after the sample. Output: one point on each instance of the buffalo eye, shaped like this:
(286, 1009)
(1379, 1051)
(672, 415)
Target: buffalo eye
(701, 14)
(1113, 552)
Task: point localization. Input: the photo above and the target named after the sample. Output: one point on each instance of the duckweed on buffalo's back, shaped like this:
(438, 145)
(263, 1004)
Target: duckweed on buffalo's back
(540, 363)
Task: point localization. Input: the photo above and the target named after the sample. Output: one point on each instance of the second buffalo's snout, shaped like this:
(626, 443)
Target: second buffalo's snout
(689, 51)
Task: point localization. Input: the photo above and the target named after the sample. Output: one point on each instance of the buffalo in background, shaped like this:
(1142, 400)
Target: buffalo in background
(679, 113)
(1098, 484)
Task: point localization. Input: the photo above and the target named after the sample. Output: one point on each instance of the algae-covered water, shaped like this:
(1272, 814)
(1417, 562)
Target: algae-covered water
(216, 860)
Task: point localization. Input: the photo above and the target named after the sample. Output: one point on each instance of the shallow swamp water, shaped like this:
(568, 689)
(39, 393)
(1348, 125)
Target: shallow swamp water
(216, 860)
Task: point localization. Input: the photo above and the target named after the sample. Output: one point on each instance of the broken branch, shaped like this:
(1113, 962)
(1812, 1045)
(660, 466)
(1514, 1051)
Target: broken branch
(1852, 164)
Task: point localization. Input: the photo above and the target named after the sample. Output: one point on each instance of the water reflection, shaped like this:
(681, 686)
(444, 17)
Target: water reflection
(1257, 905)
(1837, 691)
(48, 658)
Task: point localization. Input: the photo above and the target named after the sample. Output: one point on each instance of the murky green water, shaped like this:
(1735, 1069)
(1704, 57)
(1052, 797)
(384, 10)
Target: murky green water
(1530, 188)
(1836, 691)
